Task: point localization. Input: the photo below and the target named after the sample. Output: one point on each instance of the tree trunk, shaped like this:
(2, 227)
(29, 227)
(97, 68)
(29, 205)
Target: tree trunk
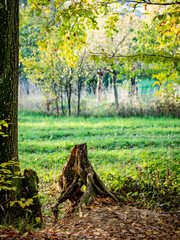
(27, 86)
(133, 86)
(9, 51)
(100, 76)
(79, 96)
(78, 172)
(109, 85)
(62, 102)
(115, 91)
(99, 87)
(57, 106)
(11, 183)
(69, 91)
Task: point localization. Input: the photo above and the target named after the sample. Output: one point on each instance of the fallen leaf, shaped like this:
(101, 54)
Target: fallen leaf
(132, 231)
(98, 230)
(136, 225)
(140, 235)
(25, 234)
(96, 233)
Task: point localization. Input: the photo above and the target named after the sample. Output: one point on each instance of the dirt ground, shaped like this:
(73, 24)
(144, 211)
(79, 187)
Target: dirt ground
(106, 220)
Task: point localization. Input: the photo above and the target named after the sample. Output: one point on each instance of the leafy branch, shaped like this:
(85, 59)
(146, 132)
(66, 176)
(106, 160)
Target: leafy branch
(139, 56)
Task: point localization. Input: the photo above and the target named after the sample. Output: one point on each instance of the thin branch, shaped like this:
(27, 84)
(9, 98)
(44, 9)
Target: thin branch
(120, 42)
(149, 2)
(136, 55)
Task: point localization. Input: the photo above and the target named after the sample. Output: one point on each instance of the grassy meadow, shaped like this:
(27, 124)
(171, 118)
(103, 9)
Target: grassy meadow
(138, 158)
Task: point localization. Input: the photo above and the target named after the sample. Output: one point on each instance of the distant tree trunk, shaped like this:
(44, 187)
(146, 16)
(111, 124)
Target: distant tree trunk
(62, 101)
(99, 85)
(20, 92)
(109, 85)
(114, 77)
(94, 88)
(27, 86)
(9, 52)
(56, 99)
(79, 95)
(47, 104)
(57, 106)
(134, 89)
(69, 92)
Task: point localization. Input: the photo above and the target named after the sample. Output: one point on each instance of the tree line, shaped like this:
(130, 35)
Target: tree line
(111, 49)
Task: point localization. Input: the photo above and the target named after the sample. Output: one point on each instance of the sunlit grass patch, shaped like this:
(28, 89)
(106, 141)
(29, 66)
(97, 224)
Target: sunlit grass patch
(143, 150)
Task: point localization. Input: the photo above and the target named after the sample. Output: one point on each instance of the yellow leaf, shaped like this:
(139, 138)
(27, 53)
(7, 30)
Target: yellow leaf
(30, 200)
(155, 83)
(5, 125)
(37, 219)
(47, 10)
(12, 203)
(25, 234)
(96, 234)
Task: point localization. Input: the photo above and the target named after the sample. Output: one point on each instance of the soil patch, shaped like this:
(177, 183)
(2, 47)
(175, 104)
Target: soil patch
(107, 220)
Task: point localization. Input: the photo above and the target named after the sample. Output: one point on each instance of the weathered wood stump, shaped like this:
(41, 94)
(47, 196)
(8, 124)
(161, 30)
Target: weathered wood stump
(30, 191)
(78, 172)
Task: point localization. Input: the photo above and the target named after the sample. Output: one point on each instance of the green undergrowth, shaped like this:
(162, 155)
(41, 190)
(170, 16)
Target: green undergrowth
(138, 158)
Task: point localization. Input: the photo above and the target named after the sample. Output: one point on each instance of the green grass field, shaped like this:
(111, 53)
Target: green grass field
(128, 153)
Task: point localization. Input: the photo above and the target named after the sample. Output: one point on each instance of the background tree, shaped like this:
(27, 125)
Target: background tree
(109, 47)
(84, 69)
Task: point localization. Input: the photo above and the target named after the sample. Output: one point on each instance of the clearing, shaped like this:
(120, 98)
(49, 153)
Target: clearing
(138, 158)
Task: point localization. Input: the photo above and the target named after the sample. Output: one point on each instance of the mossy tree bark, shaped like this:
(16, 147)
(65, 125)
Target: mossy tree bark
(78, 172)
(11, 185)
(9, 51)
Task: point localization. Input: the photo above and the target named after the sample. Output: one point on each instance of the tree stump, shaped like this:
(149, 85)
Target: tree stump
(30, 191)
(78, 172)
